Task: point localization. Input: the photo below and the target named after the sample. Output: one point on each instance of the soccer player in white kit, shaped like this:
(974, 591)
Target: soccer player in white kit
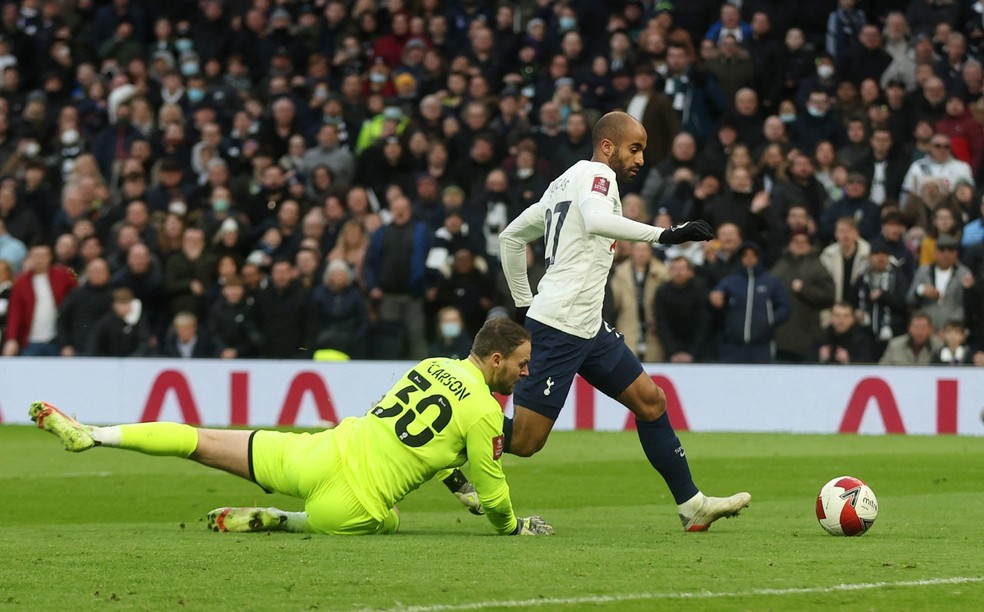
(580, 217)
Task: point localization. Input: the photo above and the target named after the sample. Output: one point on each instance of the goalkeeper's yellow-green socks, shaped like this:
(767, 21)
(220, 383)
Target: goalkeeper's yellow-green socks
(160, 439)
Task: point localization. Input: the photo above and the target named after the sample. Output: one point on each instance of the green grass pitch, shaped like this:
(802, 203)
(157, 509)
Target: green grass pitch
(111, 529)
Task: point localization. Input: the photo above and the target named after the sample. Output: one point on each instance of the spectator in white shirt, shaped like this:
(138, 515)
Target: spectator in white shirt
(939, 166)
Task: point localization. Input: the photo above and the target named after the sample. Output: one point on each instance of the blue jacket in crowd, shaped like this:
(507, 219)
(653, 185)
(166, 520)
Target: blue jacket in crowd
(756, 303)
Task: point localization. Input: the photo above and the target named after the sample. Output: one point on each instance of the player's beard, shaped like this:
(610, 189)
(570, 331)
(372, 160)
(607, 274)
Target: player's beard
(622, 172)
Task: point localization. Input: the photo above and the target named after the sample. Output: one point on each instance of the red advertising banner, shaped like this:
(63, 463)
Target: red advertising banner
(799, 399)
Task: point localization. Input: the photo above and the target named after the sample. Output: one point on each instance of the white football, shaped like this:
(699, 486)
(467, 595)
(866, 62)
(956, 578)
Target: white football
(846, 506)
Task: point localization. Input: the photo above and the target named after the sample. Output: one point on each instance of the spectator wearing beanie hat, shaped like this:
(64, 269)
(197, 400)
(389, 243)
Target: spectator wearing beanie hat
(856, 205)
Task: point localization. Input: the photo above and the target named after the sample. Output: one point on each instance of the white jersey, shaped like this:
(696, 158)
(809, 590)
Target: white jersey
(946, 174)
(579, 217)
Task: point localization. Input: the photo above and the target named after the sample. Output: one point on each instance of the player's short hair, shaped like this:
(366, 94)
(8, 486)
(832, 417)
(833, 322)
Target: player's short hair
(609, 127)
(499, 335)
(842, 304)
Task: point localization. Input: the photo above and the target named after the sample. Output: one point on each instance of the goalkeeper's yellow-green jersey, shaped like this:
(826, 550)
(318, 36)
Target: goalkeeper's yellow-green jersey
(440, 414)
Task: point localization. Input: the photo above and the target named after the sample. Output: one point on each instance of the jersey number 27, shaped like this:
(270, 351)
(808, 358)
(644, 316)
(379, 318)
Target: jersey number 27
(558, 214)
(407, 415)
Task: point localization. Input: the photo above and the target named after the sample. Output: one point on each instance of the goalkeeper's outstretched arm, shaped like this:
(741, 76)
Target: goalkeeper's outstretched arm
(490, 481)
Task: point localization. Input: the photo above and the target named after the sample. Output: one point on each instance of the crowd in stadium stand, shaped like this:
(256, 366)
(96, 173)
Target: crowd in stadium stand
(281, 179)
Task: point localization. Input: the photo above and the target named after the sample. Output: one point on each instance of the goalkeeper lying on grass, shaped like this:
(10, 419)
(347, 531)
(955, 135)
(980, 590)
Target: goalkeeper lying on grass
(438, 415)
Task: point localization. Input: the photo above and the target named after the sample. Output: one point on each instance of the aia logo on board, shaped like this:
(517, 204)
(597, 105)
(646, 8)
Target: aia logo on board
(600, 185)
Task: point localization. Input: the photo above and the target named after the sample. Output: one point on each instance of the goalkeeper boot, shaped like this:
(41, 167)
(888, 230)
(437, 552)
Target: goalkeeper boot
(242, 520)
(713, 508)
(74, 435)
(533, 525)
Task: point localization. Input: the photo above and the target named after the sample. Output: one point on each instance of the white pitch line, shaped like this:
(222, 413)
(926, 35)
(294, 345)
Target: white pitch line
(58, 475)
(603, 599)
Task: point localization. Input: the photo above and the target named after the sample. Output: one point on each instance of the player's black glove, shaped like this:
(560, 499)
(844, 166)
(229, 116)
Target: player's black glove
(533, 525)
(687, 232)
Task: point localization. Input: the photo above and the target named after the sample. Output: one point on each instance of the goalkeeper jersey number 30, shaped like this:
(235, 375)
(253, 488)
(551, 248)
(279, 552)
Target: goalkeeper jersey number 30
(440, 414)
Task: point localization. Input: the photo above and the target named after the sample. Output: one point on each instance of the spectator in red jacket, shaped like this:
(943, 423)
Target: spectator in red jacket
(390, 46)
(32, 321)
(966, 134)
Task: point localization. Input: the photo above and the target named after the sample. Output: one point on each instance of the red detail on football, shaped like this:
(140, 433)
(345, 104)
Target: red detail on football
(820, 513)
(847, 483)
(600, 185)
(850, 522)
(498, 444)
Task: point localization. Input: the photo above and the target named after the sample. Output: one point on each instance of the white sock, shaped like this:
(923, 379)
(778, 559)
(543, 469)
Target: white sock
(107, 436)
(297, 522)
(692, 505)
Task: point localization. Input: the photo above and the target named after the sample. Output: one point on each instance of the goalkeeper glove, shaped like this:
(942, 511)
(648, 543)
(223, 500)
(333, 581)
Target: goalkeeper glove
(464, 491)
(469, 498)
(533, 525)
(686, 232)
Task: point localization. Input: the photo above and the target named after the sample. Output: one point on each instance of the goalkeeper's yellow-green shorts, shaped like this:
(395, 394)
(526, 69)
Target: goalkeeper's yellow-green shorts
(307, 466)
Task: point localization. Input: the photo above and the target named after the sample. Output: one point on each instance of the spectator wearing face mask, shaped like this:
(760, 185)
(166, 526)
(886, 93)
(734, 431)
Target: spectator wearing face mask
(817, 124)
(823, 79)
(451, 339)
